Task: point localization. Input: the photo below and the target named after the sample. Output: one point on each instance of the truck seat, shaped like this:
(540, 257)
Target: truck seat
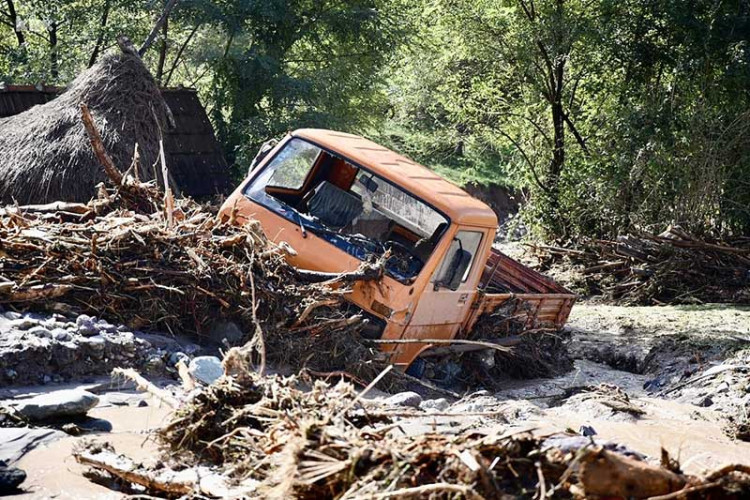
(333, 206)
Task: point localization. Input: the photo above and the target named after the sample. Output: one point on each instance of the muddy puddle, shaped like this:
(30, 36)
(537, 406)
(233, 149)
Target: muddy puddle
(644, 378)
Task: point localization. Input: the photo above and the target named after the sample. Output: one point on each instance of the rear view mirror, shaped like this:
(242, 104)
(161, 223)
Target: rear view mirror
(456, 270)
(262, 153)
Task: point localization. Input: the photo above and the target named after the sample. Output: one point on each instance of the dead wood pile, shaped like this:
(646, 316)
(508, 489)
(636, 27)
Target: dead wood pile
(44, 153)
(673, 267)
(118, 258)
(273, 437)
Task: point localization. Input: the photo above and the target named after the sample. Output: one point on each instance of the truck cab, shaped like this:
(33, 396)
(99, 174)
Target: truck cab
(339, 200)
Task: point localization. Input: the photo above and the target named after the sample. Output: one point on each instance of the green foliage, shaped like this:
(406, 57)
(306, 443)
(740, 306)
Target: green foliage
(612, 113)
(609, 113)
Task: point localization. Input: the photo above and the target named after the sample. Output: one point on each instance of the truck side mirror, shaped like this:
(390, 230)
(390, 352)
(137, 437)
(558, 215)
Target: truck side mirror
(456, 270)
(262, 153)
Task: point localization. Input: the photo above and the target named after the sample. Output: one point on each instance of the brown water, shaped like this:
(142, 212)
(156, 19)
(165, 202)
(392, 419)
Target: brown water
(53, 472)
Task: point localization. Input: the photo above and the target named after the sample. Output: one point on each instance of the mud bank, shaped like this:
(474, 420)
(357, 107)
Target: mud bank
(39, 349)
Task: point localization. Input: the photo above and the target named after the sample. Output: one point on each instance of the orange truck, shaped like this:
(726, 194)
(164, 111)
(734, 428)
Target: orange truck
(339, 199)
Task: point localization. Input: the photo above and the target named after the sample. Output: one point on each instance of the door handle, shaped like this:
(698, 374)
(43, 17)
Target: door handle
(463, 298)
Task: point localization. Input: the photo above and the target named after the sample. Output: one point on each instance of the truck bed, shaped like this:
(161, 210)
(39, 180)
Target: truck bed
(530, 297)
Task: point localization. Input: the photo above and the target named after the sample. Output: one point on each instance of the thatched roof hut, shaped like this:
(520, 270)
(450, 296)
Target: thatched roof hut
(45, 154)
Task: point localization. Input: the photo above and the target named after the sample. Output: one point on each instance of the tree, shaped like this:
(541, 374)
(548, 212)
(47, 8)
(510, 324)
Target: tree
(275, 64)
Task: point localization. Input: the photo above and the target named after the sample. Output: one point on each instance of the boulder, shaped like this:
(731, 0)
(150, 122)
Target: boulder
(10, 479)
(58, 404)
(86, 325)
(15, 442)
(206, 369)
(408, 398)
(39, 331)
(440, 404)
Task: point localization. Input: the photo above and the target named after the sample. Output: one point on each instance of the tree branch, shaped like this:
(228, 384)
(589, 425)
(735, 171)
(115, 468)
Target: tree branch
(177, 57)
(13, 16)
(157, 27)
(528, 160)
(100, 37)
(579, 138)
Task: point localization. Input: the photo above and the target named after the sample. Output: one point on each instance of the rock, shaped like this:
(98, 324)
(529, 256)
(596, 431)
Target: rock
(10, 479)
(23, 323)
(87, 425)
(408, 398)
(86, 325)
(586, 431)
(655, 384)
(61, 335)
(154, 364)
(723, 387)
(95, 344)
(434, 404)
(704, 402)
(12, 315)
(57, 404)
(15, 442)
(206, 369)
(40, 331)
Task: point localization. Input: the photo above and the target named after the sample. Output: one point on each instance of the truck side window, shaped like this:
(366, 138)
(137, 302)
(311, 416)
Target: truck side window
(292, 164)
(469, 241)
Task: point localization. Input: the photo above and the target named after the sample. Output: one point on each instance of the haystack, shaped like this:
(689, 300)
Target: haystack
(45, 154)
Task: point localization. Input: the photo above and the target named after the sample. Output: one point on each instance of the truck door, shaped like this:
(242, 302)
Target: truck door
(442, 308)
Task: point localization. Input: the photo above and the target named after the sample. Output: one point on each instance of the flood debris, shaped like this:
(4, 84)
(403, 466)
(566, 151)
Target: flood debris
(294, 437)
(673, 267)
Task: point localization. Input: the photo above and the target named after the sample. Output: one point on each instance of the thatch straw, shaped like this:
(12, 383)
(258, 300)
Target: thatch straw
(44, 152)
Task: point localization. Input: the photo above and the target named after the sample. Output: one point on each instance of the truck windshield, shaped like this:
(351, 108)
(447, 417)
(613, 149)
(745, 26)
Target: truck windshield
(351, 208)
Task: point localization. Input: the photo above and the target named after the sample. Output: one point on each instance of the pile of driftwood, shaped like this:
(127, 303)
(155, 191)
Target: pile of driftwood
(136, 256)
(673, 267)
(270, 437)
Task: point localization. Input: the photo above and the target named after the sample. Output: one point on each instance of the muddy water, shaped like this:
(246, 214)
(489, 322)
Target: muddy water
(695, 338)
(53, 472)
(694, 436)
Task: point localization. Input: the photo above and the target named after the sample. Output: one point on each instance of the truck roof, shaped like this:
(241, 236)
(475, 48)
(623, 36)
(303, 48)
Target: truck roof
(420, 181)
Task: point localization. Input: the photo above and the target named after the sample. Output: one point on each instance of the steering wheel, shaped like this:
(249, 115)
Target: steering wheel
(409, 251)
(380, 248)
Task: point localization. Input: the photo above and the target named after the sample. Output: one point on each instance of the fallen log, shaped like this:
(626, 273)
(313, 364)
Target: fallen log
(32, 294)
(608, 474)
(164, 481)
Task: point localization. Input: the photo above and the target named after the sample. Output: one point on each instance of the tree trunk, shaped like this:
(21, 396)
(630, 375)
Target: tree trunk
(54, 65)
(179, 55)
(13, 15)
(100, 37)
(162, 52)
